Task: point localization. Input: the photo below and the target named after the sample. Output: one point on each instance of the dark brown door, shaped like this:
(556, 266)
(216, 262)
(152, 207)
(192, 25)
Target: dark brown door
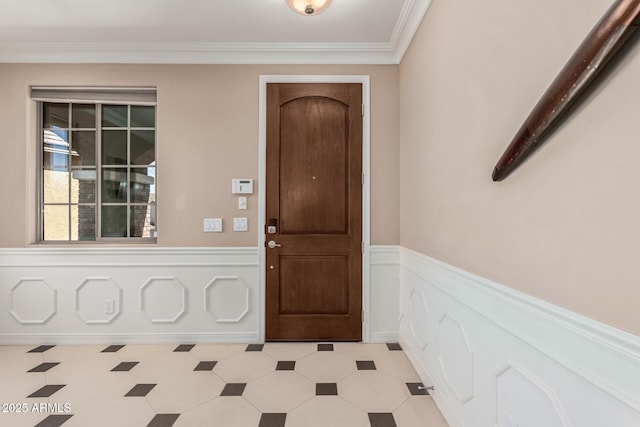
(314, 209)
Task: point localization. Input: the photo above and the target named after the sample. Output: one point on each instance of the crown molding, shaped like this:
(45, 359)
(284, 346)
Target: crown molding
(390, 52)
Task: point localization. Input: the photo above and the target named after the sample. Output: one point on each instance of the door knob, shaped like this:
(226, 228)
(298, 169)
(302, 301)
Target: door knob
(273, 244)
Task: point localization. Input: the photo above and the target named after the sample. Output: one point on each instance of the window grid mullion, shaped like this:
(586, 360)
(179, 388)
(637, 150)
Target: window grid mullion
(69, 136)
(98, 210)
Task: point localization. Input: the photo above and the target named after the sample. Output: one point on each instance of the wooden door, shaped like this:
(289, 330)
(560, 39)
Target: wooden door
(314, 212)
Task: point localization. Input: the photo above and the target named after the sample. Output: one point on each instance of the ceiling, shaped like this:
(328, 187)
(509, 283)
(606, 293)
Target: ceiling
(206, 31)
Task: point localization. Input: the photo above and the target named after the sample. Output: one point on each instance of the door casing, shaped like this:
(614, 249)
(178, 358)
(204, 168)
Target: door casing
(366, 188)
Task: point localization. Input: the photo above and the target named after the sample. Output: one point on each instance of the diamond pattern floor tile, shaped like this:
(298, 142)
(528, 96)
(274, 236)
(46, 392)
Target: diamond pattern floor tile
(44, 367)
(140, 390)
(41, 349)
(382, 419)
(163, 420)
(46, 391)
(54, 420)
(124, 367)
(273, 420)
(206, 366)
(113, 349)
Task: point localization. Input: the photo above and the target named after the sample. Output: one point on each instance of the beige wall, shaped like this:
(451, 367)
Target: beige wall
(207, 135)
(565, 226)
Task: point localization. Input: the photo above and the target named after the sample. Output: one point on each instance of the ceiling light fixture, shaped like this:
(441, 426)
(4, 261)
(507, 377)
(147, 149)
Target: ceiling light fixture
(308, 7)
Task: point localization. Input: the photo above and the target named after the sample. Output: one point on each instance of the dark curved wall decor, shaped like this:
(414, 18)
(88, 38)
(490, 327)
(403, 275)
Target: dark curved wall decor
(592, 56)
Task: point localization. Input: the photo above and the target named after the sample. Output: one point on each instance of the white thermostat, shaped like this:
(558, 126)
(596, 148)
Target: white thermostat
(241, 186)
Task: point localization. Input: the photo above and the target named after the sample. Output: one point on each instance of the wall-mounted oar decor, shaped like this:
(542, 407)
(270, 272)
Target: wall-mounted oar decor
(595, 52)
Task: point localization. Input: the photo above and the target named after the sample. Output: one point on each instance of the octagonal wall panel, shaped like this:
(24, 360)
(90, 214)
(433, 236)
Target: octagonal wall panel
(418, 320)
(523, 400)
(33, 301)
(456, 358)
(226, 298)
(98, 300)
(163, 299)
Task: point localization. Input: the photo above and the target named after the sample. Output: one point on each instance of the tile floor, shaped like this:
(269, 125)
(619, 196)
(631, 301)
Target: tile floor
(235, 385)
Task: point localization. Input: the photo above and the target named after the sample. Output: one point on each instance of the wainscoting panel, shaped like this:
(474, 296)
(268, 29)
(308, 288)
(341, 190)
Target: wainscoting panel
(137, 295)
(384, 303)
(98, 295)
(499, 358)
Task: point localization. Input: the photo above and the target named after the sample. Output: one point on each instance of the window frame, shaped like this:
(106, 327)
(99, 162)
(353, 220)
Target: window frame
(118, 96)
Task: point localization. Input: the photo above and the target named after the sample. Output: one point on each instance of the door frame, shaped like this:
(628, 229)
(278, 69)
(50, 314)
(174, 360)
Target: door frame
(366, 188)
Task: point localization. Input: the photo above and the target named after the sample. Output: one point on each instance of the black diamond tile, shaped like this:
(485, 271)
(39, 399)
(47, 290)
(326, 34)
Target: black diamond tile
(140, 390)
(54, 420)
(46, 391)
(272, 420)
(43, 367)
(205, 366)
(112, 349)
(325, 347)
(365, 365)
(417, 389)
(326, 389)
(255, 347)
(286, 365)
(163, 420)
(233, 389)
(41, 349)
(394, 346)
(382, 419)
(124, 367)
(184, 347)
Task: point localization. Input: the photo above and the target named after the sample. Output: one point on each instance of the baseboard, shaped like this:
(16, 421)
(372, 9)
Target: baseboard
(384, 337)
(147, 338)
(489, 350)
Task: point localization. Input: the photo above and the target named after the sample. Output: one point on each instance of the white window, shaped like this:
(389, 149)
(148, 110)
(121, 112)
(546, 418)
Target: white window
(97, 164)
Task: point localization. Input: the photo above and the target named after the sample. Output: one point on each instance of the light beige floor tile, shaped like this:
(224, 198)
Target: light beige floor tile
(124, 412)
(93, 390)
(324, 411)
(419, 411)
(373, 391)
(280, 391)
(27, 419)
(72, 353)
(162, 367)
(178, 395)
(217, 352)
(397, 365)
(16, 362)
(325, 367)
(143, 351)
(16, 388)
(80, 366)
(360, 351)
(289, 351)
(221, 412)
(245, 367)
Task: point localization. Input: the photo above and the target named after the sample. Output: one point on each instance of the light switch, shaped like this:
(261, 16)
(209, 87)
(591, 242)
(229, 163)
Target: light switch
(240, 224)
(242, 203)
(213, 225)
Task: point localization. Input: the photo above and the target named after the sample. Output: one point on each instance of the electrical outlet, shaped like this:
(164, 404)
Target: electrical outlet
(109, 306)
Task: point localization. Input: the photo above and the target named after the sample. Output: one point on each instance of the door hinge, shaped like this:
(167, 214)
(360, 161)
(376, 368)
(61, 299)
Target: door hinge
(362, 110)
(362, 247)
(362, 314)
(362, 179)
